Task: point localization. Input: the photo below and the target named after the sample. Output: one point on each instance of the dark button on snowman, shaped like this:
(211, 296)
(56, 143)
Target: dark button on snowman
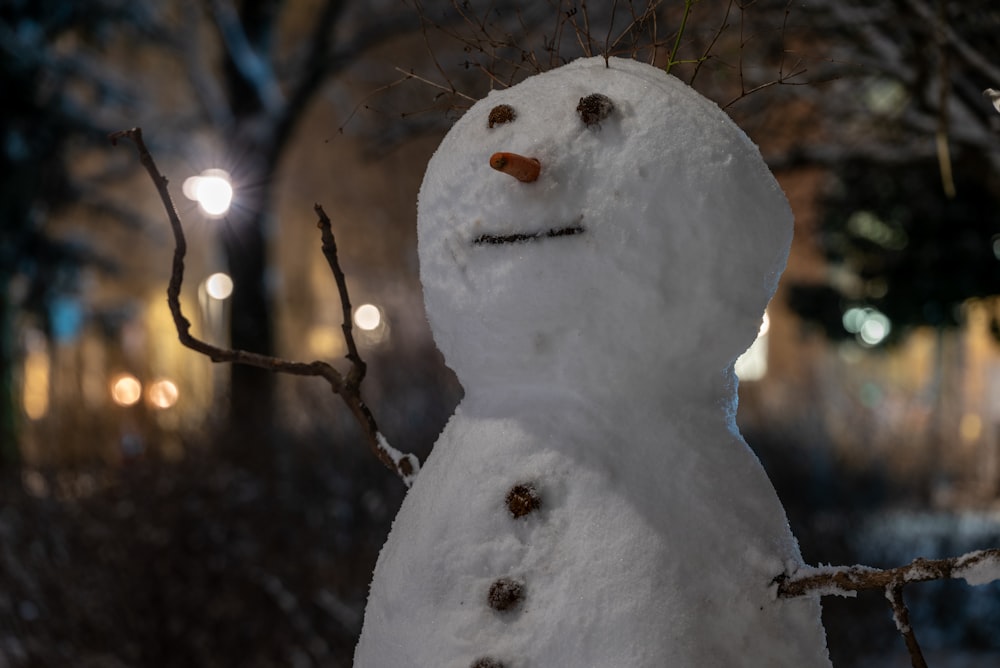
(597, 246)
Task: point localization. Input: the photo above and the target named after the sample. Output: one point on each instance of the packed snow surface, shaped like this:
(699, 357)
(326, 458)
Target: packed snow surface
(591, 503)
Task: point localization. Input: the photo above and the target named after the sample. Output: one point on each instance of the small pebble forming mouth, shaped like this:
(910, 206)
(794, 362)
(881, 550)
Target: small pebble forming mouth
(524, 237)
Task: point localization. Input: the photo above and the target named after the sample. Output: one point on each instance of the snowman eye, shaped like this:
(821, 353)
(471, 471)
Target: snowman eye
(502, 113)
(594, 108)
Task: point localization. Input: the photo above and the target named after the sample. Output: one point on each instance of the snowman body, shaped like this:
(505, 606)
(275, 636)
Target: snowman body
(591, 502)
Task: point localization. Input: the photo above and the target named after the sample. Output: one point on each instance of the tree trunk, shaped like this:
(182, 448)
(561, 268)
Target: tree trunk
(249, 436)
(10, 453)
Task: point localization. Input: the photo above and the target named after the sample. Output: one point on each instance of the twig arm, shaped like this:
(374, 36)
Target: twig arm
(358, 366)
(405, 465)
(975, 568)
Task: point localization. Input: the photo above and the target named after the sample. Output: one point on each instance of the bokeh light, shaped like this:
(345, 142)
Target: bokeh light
(326, 342)
(126, 389)
(37, 367)
(162, 393)
(752, 364)
(970, 428)
(219, 286)
(869, 325)
(368, 317)
(765, 325)
(875, 329)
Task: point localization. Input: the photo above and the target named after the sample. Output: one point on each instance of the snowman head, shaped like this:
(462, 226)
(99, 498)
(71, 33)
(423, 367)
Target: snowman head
(598, 225)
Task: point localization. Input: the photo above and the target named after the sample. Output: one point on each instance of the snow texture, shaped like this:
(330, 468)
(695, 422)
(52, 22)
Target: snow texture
(397, 457)
(593, 317)
(979, 568)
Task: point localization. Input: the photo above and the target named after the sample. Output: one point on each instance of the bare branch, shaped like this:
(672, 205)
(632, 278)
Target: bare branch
(965, 51)
(358, 366)
(451, 90)
(206, 86)
(583, 36)
(715, 38)
(901, 615)
(672, 59)
(254, 69)
(404, 465)
(975, 568)
(846, 580)
(783, 79)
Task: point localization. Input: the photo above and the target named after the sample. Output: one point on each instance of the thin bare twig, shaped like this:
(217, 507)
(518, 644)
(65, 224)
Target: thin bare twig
(358, 366)
(634, 31)
(901, 615)
(404, 465)
(711, 45)
(583, 36)
(671, 60)
(847, 579)
(611, 26)
(782, 81)
(944, 94)
(975, 567)
(451, 90)
(406, 75)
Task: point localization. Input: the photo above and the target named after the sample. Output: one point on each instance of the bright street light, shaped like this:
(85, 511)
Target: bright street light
(212, 190)
(368, 317)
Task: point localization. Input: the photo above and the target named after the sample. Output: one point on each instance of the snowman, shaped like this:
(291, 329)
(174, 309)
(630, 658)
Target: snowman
(597, 245)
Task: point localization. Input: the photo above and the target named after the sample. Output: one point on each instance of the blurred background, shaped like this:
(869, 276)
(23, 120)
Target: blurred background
(159, 510)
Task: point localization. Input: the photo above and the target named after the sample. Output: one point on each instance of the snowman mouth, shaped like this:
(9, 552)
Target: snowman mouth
(525, 237)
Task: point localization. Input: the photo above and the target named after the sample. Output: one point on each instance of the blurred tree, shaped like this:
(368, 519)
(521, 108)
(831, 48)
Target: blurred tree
(41, 119)
(911, 147)
(901, 80)
(275, 57)
(896, 244)
(248, 71)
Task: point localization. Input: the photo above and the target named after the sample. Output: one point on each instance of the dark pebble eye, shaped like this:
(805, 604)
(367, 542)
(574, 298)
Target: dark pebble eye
(502, 113)
(595, 108)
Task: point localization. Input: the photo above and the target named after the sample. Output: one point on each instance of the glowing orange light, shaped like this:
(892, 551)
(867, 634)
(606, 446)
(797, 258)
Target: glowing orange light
(35, 399)
(126, 389)
(163, 393)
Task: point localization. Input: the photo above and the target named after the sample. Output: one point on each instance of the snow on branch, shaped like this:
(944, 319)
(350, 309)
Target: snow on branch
(348, 387)
(976, 568)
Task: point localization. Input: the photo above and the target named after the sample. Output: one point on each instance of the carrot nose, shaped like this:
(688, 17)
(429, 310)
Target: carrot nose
(521, 168)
